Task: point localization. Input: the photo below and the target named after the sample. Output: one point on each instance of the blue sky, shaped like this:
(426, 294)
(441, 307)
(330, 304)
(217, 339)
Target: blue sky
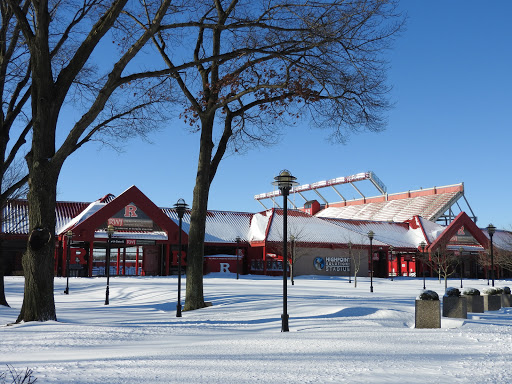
(452, 81)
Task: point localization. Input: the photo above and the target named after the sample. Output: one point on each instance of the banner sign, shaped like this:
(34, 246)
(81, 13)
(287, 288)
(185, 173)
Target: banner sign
(140, 242)
(117, 241)
(332, 264)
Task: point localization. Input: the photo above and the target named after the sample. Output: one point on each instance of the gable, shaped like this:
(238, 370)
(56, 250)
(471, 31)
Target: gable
(461, 231)
(130, 211)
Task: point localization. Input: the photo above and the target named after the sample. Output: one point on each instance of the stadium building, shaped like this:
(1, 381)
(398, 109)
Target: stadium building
(411, 230)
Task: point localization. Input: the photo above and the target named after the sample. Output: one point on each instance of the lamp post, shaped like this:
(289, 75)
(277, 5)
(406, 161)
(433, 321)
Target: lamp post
(461, 265)
(180, 207)
(69, 235)
(491, 229)
(391, 259)
(292, 252)
(110, 232)
(237, 246)
(423, 245)
(285, 181)
(370, 236)
(349, 244)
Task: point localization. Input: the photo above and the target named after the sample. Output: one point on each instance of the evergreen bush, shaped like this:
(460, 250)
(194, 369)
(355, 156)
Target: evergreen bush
(428, 295)
(490, 291)
(471, 292)
(452, 292)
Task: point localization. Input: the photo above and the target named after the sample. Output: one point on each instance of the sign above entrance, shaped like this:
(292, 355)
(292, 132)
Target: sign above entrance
(131, 242)
(463, 237)
(132, 218)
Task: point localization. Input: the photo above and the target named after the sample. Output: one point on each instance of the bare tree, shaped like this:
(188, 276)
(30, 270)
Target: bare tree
(10, 217)
(484, 261)
(247, 67)
(357, 253)
(502, 250)
(15, 123)
(444, 261)
(60, 38)
(296, 248)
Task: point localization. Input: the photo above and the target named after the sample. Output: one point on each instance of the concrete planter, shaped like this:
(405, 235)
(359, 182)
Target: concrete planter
(455, 307)
(492, 302)
(427, 314)
(475, 303)
(506, 300)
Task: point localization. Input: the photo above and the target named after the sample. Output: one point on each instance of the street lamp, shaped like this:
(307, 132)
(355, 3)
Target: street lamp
(237, 245)
(491, 229)
(349, 244)
(110, 232)
(423, 245)
(370, 236)
(292, 252)
(461, 265)
(391, 260)
(69, 235)
(285, 181)
(180, 207)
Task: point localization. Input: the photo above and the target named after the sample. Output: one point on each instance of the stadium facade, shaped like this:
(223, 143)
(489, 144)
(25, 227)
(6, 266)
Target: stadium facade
(411, 231)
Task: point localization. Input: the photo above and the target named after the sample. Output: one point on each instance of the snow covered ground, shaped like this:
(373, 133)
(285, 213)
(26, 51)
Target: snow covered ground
(338, 334)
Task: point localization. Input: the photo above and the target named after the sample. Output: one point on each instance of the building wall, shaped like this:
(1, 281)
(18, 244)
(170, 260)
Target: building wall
(330, 262)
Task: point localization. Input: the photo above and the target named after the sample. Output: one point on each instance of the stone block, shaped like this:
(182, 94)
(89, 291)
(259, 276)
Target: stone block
(475, 303)
(492, 302)
(455, 307)
(427, 314)
(506, 300)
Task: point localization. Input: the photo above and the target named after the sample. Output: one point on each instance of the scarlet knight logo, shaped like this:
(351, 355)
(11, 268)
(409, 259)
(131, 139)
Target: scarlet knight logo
(130, 211)
(131, 217)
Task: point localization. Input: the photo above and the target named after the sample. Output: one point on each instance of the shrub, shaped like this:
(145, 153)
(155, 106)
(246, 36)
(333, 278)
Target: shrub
(24, 377)
(506, 290)
(428, 295)
(490, 291)
(499, 291)
(452, 292)
(471, 292)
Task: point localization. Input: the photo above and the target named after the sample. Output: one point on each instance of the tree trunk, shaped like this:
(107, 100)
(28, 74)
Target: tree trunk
(38, 261)
(3, 301)
(46, 99)
(194, 295)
